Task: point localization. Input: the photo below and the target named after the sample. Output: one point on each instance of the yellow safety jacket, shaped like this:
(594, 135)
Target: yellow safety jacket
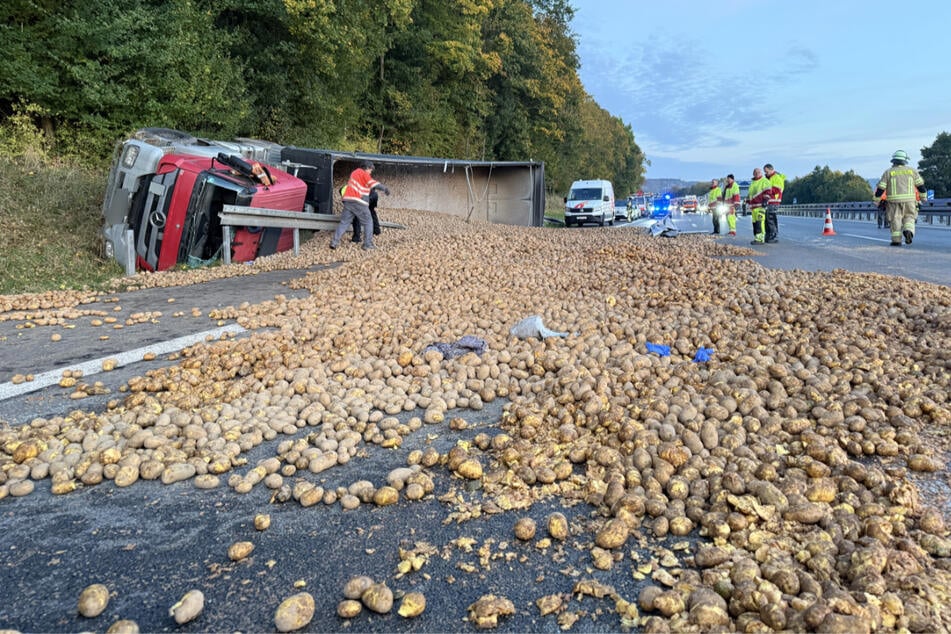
(777, 183)
(759, 192)
(714, 196)
(900, 183)
(731, 194)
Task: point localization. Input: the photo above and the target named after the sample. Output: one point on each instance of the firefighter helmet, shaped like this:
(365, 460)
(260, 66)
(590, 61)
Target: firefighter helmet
(900, 155)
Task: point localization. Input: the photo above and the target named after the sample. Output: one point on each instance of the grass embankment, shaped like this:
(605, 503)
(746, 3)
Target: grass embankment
(50, 217)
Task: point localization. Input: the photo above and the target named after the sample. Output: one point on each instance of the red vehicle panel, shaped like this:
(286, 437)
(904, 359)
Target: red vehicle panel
(175, 218)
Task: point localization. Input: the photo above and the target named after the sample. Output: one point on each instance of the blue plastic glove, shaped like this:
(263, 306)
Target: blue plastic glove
(660, 349)
(703, 355)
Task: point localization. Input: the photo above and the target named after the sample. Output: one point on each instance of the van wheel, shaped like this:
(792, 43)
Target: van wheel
(601, 221)
(611, 221)
(567, 222)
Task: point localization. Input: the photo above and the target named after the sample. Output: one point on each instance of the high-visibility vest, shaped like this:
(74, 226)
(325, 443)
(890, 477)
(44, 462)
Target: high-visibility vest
(714, 195)
(759, 191)
(359, 186)
(777, 183)
(731, 194)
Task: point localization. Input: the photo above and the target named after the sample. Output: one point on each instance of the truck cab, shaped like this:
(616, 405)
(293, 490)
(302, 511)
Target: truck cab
(162, 203)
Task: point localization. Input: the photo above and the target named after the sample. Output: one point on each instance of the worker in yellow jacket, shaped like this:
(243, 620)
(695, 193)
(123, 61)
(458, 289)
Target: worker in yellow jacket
(731, 199)
(756, 200)
(777, 183)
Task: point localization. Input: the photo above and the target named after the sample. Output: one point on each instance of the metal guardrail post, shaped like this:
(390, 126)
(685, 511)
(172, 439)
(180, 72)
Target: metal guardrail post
(226, 244)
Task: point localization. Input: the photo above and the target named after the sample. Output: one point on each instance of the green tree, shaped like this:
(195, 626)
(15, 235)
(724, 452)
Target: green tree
(109, 66)
(432, 93)
(824, 185)
(935, 165)
(482, 79)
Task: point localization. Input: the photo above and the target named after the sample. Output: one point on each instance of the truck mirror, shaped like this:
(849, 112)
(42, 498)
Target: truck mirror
(607, 199)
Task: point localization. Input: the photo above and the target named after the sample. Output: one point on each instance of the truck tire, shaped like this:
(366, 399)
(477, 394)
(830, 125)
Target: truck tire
(567, 222)
(601, 221)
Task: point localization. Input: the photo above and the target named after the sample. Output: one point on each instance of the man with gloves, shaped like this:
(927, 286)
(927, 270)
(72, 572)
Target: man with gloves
(356, 204)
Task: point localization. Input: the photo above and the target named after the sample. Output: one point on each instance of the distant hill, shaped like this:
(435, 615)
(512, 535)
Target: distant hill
(659, 185)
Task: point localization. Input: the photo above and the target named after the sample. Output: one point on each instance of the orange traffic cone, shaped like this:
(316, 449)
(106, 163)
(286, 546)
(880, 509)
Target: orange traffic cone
(827, 229)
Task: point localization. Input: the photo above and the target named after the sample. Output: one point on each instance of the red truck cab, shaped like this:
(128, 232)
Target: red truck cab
(175, 219)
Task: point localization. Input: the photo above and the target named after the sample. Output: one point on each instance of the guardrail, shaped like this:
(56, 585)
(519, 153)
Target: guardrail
(933, 212)
(238, 216)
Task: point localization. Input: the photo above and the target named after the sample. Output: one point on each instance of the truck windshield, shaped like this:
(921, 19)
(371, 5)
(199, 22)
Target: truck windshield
(585, 193)
(201, 236)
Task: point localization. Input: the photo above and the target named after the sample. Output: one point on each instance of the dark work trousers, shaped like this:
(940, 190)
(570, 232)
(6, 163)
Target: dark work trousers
(772, 223)
(716, 221)
(374, 199)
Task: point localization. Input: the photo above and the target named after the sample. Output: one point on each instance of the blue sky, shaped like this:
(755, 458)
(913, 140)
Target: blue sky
(711, 88)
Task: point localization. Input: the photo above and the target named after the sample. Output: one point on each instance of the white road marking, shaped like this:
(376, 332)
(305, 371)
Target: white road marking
(89, 368)
(854, 235)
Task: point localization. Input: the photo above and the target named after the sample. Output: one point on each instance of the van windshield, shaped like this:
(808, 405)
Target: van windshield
(585, 193)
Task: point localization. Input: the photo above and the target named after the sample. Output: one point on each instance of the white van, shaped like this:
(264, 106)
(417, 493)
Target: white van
(590, 201)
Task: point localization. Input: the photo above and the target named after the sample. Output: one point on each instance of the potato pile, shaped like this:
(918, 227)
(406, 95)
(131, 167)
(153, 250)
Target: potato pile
(794, 454)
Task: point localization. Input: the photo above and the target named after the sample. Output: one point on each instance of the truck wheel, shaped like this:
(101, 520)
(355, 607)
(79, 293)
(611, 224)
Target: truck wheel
(601, 221)
(567, 222)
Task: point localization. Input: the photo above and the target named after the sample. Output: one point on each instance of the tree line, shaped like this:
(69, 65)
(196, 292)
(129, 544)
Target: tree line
(476, 79)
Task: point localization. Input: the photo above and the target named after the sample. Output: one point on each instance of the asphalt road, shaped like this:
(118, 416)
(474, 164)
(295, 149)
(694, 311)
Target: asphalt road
(857, 246)
(151, 543)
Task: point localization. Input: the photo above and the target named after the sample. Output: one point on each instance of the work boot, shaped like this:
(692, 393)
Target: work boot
(733, 233)
(908, 236)
(895, 244)
(333, 246)
(773, 241)
(356, 238)
(756, 242)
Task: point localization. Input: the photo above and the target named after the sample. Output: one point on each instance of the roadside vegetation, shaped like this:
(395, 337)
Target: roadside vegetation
(50, 225)
(50, 216)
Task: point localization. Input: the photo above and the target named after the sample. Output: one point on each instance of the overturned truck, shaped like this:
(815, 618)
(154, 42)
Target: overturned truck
(166, 190)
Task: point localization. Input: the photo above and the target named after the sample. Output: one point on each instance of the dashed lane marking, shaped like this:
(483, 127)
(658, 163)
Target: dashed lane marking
(90, 368)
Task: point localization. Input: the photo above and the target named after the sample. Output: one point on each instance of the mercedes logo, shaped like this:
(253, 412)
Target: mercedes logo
(157, 219)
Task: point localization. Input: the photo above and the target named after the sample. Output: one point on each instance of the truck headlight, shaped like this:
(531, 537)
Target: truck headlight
(128, 157)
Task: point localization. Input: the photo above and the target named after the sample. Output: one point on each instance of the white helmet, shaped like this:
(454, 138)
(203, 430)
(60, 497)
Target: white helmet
(900, 155)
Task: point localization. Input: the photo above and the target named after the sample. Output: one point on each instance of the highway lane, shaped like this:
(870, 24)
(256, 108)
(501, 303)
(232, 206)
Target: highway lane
(858, 246)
